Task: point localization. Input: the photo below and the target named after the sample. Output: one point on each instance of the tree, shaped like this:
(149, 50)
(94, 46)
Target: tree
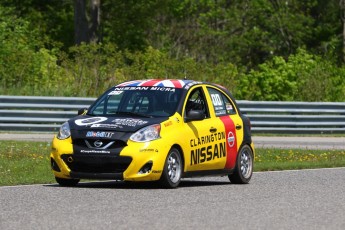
(130, 24)
(53, 19)
(243, 32)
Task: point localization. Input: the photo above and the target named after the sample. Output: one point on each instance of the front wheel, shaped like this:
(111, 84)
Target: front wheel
(244, 166)
(67, 182)
(172, 171)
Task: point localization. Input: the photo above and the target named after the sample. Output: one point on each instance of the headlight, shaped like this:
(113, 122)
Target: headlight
(64, 132)
(148, 133)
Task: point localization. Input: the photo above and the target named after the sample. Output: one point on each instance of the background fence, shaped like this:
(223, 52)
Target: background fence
(23, 113)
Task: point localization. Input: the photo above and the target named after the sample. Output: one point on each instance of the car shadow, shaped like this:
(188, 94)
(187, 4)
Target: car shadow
(185, 183)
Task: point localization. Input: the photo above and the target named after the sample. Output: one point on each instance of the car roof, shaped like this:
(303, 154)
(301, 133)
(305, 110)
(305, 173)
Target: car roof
(174, 83)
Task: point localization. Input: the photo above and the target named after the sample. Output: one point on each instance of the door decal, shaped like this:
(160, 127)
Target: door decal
(231, 147)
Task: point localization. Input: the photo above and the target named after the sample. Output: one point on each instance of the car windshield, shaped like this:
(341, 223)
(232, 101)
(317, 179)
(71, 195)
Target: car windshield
(137, 101)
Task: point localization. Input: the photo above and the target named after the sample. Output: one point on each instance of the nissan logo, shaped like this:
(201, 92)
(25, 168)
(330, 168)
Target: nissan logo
(98, 143)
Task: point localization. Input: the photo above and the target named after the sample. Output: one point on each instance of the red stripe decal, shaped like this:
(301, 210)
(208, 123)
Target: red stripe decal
(176, 83)
(150, 82)
(231, 142)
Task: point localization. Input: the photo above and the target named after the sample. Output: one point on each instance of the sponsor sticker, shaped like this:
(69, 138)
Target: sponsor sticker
(110, 126)
(191, 84)
(115, 92)
(231, 139)
(229, 107)
(166, 124)
(207, 148)
(94, 151)
(129, 122)
(99, 134)
(148, 150)
(141, 88)
(220, 112)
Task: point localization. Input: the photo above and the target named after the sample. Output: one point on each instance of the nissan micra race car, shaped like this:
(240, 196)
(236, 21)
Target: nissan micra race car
(156, 130)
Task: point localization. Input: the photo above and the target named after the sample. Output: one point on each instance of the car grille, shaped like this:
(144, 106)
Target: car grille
(106, 144)
(99, 163)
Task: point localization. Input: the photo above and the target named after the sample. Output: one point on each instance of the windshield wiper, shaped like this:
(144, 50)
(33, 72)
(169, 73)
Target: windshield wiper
(133, 114)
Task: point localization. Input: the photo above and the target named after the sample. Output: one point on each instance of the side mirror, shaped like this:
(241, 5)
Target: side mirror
(195, 115)
(82, 111)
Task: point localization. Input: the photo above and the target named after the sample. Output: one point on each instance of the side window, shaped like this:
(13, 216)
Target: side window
(221, 104)
(197, 101)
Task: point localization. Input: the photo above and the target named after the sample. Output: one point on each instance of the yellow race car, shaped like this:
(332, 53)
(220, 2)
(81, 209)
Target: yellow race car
(156, 130)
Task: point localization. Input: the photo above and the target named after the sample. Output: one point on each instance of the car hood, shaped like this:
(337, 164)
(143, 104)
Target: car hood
(114, 123)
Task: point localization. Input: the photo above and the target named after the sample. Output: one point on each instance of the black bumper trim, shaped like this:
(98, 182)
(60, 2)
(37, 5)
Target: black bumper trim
(215, 172)
(105, 176)
(98, 164)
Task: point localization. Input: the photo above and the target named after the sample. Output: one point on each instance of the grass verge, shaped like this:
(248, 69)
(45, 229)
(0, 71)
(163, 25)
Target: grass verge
(287, 159)
(24, 162)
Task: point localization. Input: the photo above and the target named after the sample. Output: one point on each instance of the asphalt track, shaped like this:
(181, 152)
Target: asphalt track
(306, 199)
(302, 142)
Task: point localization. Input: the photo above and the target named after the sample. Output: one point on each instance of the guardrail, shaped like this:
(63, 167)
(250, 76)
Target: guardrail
(24, 113)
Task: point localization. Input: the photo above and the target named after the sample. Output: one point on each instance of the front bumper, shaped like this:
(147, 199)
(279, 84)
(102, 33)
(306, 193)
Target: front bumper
(136, 162)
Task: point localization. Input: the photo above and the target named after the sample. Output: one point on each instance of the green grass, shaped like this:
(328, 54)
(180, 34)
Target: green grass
(285, 159)
(23, 162)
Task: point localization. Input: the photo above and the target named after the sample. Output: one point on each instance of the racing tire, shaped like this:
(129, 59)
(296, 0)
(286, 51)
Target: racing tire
(173, 167)
(244, 166)
(67, 182)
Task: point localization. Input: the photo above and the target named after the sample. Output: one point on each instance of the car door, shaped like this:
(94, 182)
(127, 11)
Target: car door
(205, 140)
(225, 111)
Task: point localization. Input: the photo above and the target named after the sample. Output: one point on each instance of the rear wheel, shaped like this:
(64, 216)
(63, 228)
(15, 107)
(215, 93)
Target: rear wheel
(172, 171)
(67, 182)
(244, 166)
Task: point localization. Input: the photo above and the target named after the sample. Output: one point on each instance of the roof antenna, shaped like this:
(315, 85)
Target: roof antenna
(185, 75)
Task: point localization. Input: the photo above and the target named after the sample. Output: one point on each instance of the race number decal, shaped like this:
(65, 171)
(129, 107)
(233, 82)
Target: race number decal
(90, 121)
(216, 100)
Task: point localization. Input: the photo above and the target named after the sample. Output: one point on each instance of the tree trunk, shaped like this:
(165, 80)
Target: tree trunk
(86, 30)
(95, 21)
(80, 22)
(342, 8)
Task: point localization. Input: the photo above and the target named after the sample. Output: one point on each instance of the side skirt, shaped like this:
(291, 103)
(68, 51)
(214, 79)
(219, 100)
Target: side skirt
(217, 172)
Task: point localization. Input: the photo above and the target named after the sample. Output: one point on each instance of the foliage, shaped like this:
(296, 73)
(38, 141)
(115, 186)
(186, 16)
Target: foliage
(303, 77)
(242, 32)
(94, 68)
(90, 69)
(127, 23)
(25, 65)
(259, 49)
(53, 19)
